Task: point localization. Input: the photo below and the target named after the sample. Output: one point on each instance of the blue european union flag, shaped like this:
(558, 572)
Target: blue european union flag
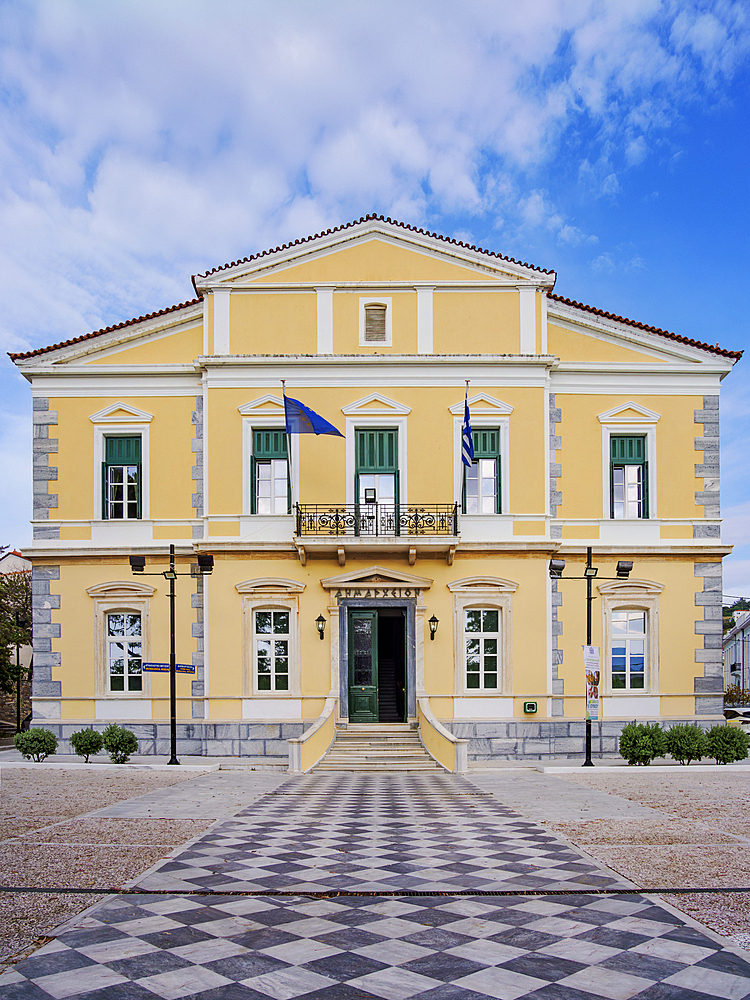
(300, 419)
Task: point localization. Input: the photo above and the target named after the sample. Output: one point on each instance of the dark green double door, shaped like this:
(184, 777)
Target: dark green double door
(376, 665)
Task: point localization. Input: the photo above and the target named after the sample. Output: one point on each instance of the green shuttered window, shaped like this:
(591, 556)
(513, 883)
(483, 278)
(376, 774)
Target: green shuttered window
(121, 478)
(271, 488)
(376, 455)
(481, 494)
(628, 477)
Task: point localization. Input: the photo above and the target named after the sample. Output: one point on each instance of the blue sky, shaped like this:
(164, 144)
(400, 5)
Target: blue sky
(143, 142)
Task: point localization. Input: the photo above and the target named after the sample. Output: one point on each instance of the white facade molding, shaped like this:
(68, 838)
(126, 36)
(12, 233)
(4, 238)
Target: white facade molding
(254, 418)
(527, 318)
(630, 595)
(629, 413)
(324, 295)
(361, 421)
(263, 405)
(121, 413)
(647, 430)
(222, 304)
(424, 319)
(378, 577)
(483, 585)
(101, 432)
(388, 406)
(483, 418)
(629, 588)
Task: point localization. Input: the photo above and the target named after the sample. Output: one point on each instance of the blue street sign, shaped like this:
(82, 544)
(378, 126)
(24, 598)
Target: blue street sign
(181, 668)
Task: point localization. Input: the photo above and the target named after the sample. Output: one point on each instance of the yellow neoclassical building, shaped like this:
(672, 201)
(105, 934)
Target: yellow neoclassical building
(375, 577)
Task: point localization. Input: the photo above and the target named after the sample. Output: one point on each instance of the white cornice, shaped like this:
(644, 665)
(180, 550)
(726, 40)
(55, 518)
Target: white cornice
(389, 406)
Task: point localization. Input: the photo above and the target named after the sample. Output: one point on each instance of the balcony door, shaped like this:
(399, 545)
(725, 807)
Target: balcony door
(377, 487)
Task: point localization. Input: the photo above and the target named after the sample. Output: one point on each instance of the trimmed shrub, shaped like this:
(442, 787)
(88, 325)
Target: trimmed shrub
(727, 743)
(119, 743)
(736, 696)
(686, 742)
(36, 744)
(640, 743)
(86, 742)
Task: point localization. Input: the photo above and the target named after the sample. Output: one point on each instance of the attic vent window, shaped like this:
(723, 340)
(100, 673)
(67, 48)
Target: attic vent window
(375, 324)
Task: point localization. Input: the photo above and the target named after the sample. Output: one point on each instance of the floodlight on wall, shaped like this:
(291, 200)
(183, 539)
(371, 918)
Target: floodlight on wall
(624, 568)
(433, 623)
(590, 571)
(321, 623)
(205, 563)
(556, 567)
(137, 563)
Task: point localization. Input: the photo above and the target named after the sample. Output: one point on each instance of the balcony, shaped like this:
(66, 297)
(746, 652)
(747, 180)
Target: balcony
(376, 519)
(373, 527)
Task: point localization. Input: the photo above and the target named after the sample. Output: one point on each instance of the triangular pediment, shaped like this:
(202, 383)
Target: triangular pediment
(629, 413)
(121, 413)
(629, 588)
(116, 589)
(263, 404)
(377, 404)
(481, 403)
(376, 576)
(377, 250)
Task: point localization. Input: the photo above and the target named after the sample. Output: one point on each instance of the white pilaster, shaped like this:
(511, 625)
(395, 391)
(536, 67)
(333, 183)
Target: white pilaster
(527, 306)
(325, 319)
(424, 319)
(221, 321)
(544, 321)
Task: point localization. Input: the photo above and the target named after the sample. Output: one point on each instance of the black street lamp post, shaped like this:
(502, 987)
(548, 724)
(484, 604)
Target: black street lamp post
(204, 567)
(624, 569)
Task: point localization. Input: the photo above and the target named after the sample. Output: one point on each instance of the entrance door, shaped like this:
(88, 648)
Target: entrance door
(363, 666)
(377, 661)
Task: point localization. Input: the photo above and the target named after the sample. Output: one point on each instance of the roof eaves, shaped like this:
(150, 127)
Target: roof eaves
(736, 355)
(358, 222)
(106, 329)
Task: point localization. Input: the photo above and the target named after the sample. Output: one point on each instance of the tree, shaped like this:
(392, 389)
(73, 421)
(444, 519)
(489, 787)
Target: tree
(15, 624)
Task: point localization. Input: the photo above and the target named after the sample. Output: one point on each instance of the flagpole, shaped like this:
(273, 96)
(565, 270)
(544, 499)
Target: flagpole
(288, 442)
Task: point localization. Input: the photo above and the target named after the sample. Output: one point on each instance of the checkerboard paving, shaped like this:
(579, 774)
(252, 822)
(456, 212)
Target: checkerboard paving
(436, 947)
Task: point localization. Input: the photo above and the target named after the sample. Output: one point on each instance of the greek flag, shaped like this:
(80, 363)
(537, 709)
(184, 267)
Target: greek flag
(467, 440)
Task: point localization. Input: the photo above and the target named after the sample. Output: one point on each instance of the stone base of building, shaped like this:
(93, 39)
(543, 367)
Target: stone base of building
(196, 739)
(543, 740)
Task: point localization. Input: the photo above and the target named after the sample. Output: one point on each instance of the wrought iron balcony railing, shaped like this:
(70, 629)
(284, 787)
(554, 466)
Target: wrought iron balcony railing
(377, 519)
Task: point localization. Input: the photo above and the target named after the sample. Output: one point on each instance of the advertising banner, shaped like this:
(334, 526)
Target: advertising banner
(592, 666)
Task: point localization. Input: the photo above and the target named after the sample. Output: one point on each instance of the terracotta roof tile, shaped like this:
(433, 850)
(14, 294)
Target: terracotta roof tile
(644, 326)
(106, 329)
(358, 222)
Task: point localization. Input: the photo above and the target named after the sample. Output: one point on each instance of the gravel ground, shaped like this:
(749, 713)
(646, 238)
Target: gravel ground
(703, 839)
(44, 842)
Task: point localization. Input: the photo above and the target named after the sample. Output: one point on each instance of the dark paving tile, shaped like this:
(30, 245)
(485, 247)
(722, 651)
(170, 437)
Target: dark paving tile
(256, 940)
(521, 937)
(438, 939)
(663, 991)
(24, 991)
(614, 938)
(244, 966)
(726, 961)
(52, 963)
(444, 967)
(349, 940)
(175, 937)
(543, 966)
(151, 964)
(345, 966)
(638, 964)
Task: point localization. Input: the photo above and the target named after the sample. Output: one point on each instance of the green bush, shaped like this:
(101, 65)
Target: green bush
(36, 744)
(727, 743)
(119, 743)
(735, 696)
(686, 743)
(86, 742)
(640, 743)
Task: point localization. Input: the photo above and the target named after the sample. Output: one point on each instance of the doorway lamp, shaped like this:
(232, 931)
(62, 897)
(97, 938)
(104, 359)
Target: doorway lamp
(433, 623)
(321, 623)
(203, 567)
(623, 570)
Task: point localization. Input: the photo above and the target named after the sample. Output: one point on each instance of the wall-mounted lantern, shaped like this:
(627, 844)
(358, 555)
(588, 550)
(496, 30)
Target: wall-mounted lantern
(433, 623)
(321, 623)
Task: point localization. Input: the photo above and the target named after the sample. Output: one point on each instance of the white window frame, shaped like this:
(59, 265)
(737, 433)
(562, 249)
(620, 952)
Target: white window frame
(120, 597)
(258, 421)
(646, 428)
(477, 422)
(385, 421)
(631, 595)
(483, 593)
(270, 594)
(371, 300)
(124, 429)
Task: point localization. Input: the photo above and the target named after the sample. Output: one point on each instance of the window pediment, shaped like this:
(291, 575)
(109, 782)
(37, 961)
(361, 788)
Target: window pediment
(121, 413)
(268, 404)
(483, 585)
(629, 588)
(629, 413)
(481, 402)
(369, 405)
(270, 585)
(121, 588)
